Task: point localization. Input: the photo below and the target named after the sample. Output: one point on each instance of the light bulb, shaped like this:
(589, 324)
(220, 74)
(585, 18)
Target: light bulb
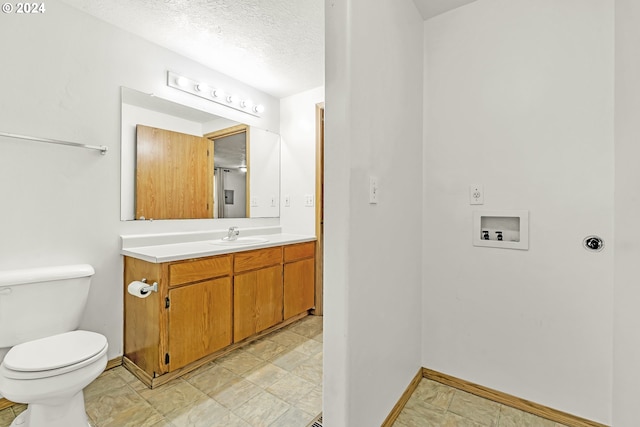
(182, 81)
(201, 87)
(231, 99)
(247, 104)
(258, 108)
(218, 93)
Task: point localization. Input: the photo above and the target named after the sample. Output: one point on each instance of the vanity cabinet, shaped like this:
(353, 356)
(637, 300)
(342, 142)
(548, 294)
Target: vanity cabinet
(257, 291)
(299, 278)
(208, 306)
(188, 318)
(199, 321)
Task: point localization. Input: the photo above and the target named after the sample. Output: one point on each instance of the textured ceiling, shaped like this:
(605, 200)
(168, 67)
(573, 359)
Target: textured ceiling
(276, 46)
(431, 8)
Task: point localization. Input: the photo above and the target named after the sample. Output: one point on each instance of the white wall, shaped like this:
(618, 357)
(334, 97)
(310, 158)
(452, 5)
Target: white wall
(298, 132)
(626, 348)
(372, 252)
(61, 79)
(265, 173)
(519, 97)
(235, 181)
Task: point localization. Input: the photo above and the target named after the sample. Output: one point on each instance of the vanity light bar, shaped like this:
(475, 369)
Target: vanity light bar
(214, 94)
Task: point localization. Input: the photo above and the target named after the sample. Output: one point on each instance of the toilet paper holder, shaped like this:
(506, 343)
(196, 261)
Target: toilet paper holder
(152, 288)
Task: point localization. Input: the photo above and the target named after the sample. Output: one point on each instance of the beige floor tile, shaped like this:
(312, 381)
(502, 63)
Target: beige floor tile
(309, 370)
(6, 417)
(203, 412)
(474, 408)
(229, 420)
(291, 388)
(212, 378)
(510, 417)
(420, 415)
(265, 349)
(307, 328)
(311, 403)
(19, 408)
(434, 393)
(294, 417)
(235, 393)
(130, 379)
(265, 375)
(531, 420)
(239, 361)
(173, 397)
(106, 382)
(287, 338)
(309, 347)
(262, 410)
(161, 423)
(289, 360)
(121, 407)
(319, 337)
(453, 420)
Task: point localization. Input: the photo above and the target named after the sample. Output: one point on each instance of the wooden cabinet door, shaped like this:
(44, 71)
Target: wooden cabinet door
(174, 175)
(257, 301)
(199, 320)
(298, 287)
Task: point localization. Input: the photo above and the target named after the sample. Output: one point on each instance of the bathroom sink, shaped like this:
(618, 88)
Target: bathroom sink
(240, 241)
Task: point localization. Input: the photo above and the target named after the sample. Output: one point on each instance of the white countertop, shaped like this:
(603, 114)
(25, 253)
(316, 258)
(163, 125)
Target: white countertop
(165, 252)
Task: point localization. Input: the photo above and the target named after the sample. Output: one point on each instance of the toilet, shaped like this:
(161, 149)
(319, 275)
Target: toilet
(45, 361)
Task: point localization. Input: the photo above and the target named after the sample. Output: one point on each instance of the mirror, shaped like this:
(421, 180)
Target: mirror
(245, 174)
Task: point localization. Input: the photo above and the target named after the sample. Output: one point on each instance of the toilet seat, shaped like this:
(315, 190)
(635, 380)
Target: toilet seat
(54, 355)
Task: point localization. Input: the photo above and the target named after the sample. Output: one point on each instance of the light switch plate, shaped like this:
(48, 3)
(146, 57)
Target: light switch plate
(373, 190)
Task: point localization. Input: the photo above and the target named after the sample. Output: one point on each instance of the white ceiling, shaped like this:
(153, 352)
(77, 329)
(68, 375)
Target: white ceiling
(431, 8)
(276, 46)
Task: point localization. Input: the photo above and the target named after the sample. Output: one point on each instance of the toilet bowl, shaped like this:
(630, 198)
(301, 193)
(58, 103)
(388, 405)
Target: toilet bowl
(49, 374)
(49, 362)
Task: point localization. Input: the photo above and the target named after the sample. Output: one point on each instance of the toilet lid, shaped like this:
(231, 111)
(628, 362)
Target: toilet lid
(54, 352)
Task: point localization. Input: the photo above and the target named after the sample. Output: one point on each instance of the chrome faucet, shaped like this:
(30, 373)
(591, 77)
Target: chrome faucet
(233, 233)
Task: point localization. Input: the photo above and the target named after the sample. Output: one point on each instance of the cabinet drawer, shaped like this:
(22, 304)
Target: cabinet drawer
(200, 269)
(299, 251)
(260, 258)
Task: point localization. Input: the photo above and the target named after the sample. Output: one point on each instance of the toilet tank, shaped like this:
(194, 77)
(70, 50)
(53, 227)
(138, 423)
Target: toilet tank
(40, 302)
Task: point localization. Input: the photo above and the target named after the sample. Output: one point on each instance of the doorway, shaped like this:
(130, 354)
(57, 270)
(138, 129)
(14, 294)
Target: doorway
(231, 171)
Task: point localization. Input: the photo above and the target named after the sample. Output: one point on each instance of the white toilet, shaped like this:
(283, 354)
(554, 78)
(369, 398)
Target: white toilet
(46, 362)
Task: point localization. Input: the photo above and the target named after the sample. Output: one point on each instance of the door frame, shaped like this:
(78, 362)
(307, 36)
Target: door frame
(319, 300)
(234, 130)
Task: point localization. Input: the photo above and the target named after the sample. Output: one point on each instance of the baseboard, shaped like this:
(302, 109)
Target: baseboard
(509, 400)
(4, 404)
(395, 412)
(113, 363)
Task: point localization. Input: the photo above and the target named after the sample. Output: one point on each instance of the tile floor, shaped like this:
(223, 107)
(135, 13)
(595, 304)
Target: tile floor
(273, 382)
(436, 405)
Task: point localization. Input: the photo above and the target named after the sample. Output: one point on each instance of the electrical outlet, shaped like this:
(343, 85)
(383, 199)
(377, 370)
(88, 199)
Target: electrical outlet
(254, 202)
(476, 194)
(308, 200)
